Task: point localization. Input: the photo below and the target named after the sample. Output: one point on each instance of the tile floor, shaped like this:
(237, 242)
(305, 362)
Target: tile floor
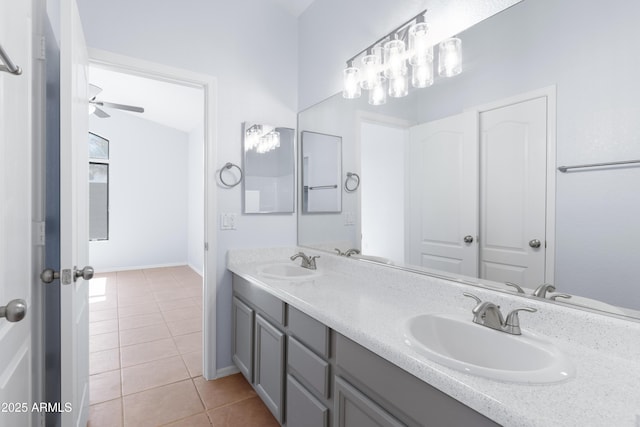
(146, 356)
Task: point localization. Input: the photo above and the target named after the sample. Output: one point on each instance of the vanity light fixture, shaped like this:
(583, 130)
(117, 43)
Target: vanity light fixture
(261, 138)
(386, 63)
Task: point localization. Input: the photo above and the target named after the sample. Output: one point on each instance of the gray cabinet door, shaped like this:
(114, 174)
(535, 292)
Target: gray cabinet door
(302, 408)
(243, 323)
(354, 409)
(269, 366)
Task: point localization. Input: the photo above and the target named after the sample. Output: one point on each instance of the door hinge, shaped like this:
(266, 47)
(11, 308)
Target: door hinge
(206, 246)
(39, 233)
(41, 52)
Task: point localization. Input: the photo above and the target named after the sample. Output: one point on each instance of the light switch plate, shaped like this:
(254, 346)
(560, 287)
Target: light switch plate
(228, 221)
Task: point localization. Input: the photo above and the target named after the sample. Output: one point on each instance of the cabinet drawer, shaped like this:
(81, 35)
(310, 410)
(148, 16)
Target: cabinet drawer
(302, 408)
(309, 331)
(308, 366)
(261, 299)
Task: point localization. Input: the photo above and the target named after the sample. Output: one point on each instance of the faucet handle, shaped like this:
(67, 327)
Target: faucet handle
(512, 323)
(339, 251)
(553, 297)
(517, 287)
(469, 295)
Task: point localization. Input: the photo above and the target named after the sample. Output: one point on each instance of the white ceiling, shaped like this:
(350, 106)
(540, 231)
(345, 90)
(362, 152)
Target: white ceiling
(294, 7)
(172, 105)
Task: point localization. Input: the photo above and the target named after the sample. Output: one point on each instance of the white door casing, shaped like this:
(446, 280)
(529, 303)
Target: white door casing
(16, 261)
(443, 195)
(74, 226)
(513, 147)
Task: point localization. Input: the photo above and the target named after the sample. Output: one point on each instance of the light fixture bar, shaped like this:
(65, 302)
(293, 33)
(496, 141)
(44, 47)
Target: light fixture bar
(388, 35)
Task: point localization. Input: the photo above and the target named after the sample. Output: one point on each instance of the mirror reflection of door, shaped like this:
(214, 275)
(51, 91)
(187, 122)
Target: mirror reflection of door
(321, 173)
(493, 227)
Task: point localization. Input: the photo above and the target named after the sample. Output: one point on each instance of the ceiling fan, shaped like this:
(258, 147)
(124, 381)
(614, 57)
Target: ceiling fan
(94, 104)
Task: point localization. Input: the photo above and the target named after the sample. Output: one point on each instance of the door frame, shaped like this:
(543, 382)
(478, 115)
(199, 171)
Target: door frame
(146, 69)
(550, 221)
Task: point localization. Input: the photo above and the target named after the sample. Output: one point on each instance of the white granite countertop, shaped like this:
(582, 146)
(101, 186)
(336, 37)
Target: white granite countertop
(370, 304)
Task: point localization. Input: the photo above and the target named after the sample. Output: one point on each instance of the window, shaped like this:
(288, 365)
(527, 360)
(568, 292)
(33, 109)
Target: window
(98, 187)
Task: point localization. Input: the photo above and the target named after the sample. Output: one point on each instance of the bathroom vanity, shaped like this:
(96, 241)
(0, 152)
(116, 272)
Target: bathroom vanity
(330, 348)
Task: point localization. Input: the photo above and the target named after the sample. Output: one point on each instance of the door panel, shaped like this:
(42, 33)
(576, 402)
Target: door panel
(74, 227)
(444, 152)
(513, 192)
(16, 264)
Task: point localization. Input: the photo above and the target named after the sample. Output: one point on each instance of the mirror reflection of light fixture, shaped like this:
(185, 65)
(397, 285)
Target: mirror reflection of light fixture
(261, 138)
(450, 61)
(391, 69)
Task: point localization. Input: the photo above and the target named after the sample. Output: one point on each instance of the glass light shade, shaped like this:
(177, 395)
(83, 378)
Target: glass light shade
(252, 137)
(450, 61)
(371, 67)
(378, 93)
(422, 75)
(351, 88)
(395, 62)
(419, 48)
(399, 86)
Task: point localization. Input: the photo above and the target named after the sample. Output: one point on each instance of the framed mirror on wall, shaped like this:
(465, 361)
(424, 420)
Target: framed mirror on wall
(269, 169)
(321, 161)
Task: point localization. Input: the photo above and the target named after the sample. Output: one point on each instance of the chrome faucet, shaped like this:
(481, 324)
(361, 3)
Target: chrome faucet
(541, 291)
(350, 252)
(488, 314)
(307, 261)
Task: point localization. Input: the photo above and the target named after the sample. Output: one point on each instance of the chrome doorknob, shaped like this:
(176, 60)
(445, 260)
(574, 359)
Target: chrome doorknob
(14, 311)
(468, 239)
(49, 275)
(85, 273)
(535, 243)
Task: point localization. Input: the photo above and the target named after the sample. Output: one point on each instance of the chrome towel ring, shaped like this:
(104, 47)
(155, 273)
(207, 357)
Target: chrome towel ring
(228, 166)
(352, 176)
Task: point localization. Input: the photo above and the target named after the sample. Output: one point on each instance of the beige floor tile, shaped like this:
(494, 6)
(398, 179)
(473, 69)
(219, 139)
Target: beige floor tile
(147, 352)
(186, 326)
(107, 414)
(145, 307)
(172, 294)
(223, 391)
(104, 341)
(189, 343)
(133, 295)
(100, 315)
(162, 405)
(200, 420)
(140, 320)
(102, 303)
(248, 413)
(144, 334)
(194, 363)
(103, 361)
(153, 374)
(181, 314)
(182, 303)
(105, 386)
(103, 327)
(166, 285)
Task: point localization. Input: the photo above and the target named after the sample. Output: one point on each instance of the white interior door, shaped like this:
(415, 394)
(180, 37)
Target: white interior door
(513, 146)
(443, 195)
(74, 226)
(16, 350)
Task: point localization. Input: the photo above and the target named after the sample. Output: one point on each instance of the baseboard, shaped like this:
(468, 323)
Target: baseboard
(198, 270)
(225, 372)
(138, 267)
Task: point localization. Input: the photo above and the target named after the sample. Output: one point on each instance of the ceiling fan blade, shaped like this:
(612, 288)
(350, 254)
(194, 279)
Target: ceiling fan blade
(101, 113)
(94, 91)
(121, 106)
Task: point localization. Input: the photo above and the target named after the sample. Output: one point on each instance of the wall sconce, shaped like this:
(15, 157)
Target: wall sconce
(386, 63)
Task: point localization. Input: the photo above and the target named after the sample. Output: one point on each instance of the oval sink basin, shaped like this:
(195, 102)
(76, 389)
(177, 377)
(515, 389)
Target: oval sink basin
(455, 341)
(287, 271)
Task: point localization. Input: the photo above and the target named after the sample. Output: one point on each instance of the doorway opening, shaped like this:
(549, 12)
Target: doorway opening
(152, 307)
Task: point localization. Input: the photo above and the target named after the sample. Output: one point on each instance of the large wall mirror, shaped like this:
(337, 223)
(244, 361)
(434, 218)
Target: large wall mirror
(461, 179)
(269, 169)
